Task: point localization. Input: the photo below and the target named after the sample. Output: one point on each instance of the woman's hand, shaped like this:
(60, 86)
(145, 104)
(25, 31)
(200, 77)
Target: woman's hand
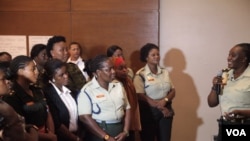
(212, 98)
(152, 103)
(237, 114)
(121, 136)
(217, 80)
(111, 139)
(166, 113)
(50, 136)
(160, 104)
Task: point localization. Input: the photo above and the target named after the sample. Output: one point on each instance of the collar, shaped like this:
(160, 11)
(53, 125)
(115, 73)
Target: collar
(65, 90)
(246, 73)
(96, 85)
(148, 71)
(77, 61)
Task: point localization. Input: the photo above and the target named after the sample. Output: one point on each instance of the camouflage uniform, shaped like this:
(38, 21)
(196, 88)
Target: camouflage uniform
(76, 79)
(42, 79)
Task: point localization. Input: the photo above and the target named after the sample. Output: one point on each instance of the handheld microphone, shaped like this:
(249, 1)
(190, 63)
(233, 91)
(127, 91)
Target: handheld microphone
(223, 75)
(218, 86)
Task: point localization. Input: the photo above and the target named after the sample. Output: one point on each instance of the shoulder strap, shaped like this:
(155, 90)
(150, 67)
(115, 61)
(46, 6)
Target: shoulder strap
(99, 109)
(142, 77)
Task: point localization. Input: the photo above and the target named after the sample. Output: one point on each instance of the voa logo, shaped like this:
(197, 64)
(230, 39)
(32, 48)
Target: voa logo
(236, 132)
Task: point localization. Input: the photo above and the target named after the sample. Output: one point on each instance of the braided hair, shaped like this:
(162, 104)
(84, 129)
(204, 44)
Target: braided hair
(96, 63)
(19, 62)
(51, 67)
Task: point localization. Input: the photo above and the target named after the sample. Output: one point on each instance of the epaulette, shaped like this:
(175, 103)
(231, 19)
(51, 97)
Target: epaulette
(88, 84)
(115, 81)
(140, 70)
(141, 74)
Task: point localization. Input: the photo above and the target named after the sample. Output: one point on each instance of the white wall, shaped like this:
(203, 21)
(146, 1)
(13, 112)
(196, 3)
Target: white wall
(195, 37)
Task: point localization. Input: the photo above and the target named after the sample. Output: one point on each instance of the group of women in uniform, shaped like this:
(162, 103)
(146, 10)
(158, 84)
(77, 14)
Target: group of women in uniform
(111, 103)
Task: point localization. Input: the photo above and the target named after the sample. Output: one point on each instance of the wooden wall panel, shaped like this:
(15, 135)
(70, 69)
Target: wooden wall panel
(115, 5)
(34, 5)
(97, 31)
(29, 23)
(96, 24)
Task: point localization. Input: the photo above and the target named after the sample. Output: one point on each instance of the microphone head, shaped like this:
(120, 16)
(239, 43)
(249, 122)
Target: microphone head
(220, 73)
(226, 70)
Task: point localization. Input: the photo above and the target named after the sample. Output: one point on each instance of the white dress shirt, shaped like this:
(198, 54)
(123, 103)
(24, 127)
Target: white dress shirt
(70, 103)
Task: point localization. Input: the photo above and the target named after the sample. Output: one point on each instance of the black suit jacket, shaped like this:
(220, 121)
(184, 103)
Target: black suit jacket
(57, 107)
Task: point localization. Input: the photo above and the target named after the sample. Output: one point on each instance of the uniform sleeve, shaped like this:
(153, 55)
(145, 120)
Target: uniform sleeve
(84, 105)
(171, 83)
(130, 73)
(139, 84)
(127, 104)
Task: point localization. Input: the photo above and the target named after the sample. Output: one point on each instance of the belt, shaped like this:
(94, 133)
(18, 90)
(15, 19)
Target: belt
(108, 121)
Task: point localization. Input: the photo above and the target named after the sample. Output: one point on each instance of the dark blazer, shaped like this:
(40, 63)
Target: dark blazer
(57, 107)
(36, 113)
(58, 110)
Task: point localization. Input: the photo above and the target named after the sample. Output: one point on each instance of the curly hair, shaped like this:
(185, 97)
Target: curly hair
(52, 41)
(145, 51)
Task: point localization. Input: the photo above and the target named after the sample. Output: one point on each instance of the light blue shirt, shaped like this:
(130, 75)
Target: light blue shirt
(236, 93)
(155, 86)
(102, 104)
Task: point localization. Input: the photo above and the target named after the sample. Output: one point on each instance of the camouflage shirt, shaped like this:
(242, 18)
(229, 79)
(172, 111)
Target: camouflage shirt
(76, 79)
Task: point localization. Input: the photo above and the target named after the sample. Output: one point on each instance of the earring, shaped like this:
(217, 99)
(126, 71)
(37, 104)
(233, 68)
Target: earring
(11, 92)
(53, 80)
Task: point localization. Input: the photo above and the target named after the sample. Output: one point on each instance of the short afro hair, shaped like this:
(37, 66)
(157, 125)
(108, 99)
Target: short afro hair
(36, 49)
(111, 50)
(145, 51)
(52, 41)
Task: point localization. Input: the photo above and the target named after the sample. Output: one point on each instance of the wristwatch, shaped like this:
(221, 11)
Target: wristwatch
(126, 132)
(166, 99)
(106, 137)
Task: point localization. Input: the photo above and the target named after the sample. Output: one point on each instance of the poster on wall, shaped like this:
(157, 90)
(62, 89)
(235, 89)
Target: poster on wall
(37, 40)
(13, 44)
